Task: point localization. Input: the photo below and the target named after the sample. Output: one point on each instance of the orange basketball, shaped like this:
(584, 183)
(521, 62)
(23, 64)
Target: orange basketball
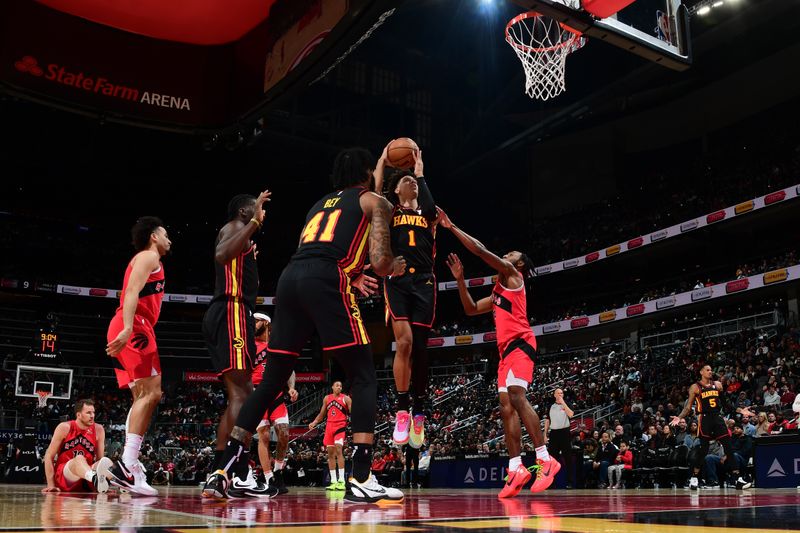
(400, 153)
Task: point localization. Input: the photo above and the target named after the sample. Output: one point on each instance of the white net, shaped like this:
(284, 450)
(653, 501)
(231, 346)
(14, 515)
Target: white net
(42, 396)
(542, 44)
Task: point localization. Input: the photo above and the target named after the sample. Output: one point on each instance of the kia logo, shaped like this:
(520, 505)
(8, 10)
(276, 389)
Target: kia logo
(30, 65)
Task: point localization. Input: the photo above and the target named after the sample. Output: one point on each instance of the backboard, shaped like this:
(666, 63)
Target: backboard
(32, 379)
(657, 30)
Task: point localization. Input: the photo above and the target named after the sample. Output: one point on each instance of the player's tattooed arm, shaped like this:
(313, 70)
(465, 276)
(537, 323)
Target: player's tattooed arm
(381, 259)
(242, 435)
(686, 408)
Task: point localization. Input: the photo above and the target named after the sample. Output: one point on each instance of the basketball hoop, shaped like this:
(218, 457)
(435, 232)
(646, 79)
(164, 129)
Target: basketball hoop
(542, 44)
(43, 396)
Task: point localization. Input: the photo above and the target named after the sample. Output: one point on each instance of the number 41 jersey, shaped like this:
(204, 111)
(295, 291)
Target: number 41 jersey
(336, 229)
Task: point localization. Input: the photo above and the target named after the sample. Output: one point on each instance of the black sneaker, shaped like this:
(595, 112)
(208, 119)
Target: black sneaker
(250, 488)
(121, 476)
(278, 482)
(216, 486)
(741, 484)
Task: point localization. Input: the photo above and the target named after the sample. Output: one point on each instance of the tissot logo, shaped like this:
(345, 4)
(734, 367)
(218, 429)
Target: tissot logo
(776, 470)
(99, 85)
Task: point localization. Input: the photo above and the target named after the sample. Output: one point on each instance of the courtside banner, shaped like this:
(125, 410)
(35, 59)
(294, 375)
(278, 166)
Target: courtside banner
(673, 231)
(712, 292)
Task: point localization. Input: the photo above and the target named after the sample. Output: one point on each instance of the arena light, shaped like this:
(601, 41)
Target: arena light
(703, 10)
(717, 4)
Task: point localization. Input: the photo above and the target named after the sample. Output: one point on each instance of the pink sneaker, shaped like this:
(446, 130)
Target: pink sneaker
(417, 436)
(402, 424)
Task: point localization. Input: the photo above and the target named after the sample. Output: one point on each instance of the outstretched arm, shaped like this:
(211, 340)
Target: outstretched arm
(484, 305)
(425, 198)
(477, 247)
(380, 169)
(61, 432)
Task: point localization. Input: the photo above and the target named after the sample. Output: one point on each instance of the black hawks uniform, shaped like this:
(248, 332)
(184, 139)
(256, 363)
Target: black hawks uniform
(314, 291)
(710, 424)
(228, 325)
(412, 296)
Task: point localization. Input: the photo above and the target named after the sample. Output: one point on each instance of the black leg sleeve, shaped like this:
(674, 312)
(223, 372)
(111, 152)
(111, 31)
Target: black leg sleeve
(360, 369)
(276, 373)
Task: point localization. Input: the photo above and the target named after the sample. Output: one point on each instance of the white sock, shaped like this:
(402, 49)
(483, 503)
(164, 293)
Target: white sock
(128, 421)
(514, 463)
(333, 476)
(131, 453)
(89, 475)
(268, 476)
(541, 453)
(278, 465)
(341, 474)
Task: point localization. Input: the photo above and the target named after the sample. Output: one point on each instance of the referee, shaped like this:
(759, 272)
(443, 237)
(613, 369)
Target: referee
(557, 432)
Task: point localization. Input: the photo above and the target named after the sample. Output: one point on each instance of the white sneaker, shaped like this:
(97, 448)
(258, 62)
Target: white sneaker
(249, 487)
(370, 491)
(102, 472)
(140, 485)
(694, 484)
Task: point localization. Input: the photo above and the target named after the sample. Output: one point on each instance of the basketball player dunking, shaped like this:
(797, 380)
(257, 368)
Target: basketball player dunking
(411, 298)
(705, 396)
(315, 293)
(73, 449)
(335, 408)
(132, 340)
(517, 346)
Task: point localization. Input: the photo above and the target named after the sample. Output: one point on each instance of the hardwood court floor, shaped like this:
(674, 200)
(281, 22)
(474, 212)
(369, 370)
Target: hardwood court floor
(179, 509)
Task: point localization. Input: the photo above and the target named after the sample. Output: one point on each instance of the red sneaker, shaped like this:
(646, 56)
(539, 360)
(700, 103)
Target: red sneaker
(545, 474)
(516, 480)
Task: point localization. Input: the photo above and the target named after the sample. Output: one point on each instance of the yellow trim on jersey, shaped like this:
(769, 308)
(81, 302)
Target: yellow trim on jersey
(362, 332)
(237, 330)
(359, 252)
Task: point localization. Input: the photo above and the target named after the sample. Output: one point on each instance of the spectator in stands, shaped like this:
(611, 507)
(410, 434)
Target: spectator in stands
(606, 454)
(787, 398)
(714, 467)
(692, 438)
(666, 439)
(680, 432)
(771, 397)
(742, 446)
(619, 435)
(623, 461)
(748, 426)
(762, 428)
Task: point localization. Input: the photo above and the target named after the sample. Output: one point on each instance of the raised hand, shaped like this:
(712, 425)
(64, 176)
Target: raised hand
(419, 166)
(455, 266)
(262, 198)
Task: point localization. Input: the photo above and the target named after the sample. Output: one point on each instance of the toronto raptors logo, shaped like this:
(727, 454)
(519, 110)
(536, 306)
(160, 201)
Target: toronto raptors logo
(140, 341)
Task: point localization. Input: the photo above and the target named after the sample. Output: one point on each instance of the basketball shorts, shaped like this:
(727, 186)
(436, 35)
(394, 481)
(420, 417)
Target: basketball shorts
(712, 427)
(139, 358)
(273, 417)
(516, 365)
(411, 297)
(60, 480)
(229, 332)
(315, 295)
(334, 434)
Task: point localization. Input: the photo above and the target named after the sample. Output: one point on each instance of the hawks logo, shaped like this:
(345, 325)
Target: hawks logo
(238, 343)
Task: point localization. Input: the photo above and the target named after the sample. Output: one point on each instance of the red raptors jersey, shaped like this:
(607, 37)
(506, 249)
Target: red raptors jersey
(78, 442)
(258, 364)
(149, 306)
(337, 409)
(510, 316)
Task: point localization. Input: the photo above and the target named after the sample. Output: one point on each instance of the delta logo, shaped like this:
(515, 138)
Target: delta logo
(98, 85)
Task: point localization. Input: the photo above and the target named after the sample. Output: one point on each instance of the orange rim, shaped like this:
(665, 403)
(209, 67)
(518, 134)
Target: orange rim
(535, 14)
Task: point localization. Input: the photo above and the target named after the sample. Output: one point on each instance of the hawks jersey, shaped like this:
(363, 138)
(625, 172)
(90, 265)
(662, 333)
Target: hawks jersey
(510, 316)
(78, 442)
(336, 229)
(414, 237)
(707, 400)
(336, 407)
(238, 278)
(149, 305)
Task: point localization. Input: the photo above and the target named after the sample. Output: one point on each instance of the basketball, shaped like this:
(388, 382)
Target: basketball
(400, 153)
